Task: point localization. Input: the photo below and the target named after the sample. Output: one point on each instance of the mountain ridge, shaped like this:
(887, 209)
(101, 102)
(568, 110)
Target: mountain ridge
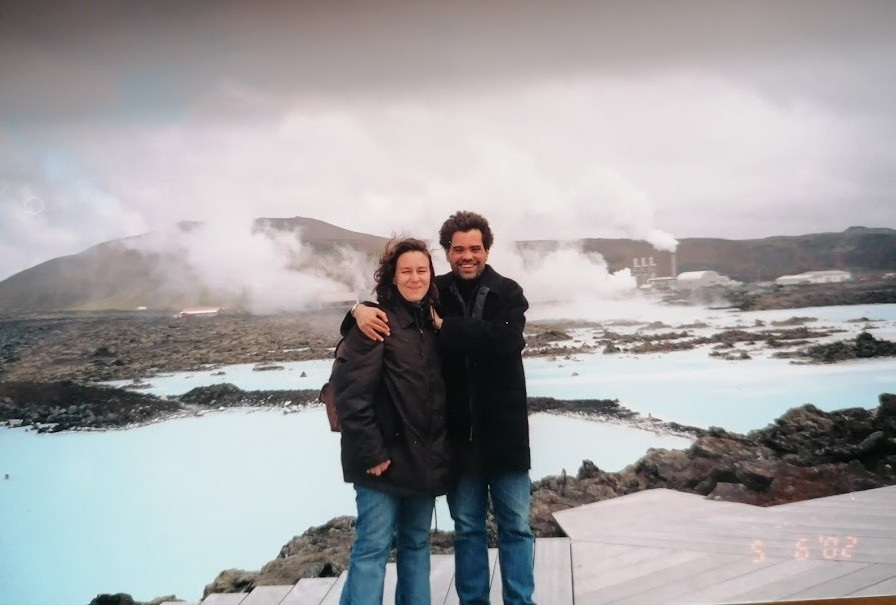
(118, 275)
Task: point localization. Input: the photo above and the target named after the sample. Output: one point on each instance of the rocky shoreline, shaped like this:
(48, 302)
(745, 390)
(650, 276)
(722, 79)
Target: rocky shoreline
(96, 347)
(90, 347)
(47, 407)
(818, 295)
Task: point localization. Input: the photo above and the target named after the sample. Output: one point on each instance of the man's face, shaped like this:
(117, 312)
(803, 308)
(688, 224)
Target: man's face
(467, 256)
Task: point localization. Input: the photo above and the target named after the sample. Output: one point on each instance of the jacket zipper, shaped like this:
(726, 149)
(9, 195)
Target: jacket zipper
(467, 313)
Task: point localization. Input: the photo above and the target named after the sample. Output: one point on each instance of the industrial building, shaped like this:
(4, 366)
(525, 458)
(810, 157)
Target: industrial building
(691, 280)
(200, 312)
(815, 277)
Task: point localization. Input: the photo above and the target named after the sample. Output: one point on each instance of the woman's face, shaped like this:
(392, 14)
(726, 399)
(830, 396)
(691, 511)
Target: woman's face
(412, 275)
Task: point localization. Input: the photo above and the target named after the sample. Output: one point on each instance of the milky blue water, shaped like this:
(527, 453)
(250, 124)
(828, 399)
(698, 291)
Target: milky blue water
(163, 508)
(693, 388)
(140, 511)
(689, 388)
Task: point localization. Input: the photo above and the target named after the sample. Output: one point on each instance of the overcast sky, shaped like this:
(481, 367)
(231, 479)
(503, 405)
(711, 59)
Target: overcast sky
(654, 120)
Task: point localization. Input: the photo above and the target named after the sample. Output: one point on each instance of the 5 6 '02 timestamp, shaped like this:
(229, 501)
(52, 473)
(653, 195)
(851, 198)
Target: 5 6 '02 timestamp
(825, 547)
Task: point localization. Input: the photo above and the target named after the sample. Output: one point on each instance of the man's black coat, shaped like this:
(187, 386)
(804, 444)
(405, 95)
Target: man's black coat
(482, 345)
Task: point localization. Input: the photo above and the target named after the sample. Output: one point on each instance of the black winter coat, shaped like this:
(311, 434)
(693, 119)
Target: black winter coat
(390, 397)
(483, 367)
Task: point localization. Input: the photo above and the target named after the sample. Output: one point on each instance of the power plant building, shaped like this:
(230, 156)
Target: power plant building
(643, 270)
(814, 277)
(691, 280)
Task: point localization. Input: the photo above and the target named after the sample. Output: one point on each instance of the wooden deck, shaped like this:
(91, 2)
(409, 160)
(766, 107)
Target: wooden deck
(666, 547)
(662, 546)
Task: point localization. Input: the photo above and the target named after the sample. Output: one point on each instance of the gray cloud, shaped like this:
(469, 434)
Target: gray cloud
(105, 58)
(561, 120)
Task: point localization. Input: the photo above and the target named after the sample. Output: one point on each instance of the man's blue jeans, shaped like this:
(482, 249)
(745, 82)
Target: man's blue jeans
(379, 516)
(468, 503)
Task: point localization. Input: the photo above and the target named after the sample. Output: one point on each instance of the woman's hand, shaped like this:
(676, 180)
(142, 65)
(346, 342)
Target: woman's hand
(379, 469)
(372, 322)
(436, 320)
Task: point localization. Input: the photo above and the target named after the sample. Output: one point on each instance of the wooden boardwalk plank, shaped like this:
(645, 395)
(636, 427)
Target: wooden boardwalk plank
(624, 578)
(674, 572)
(332, 597)
(309, 591)
(495, 592)
(642, 543)
(835, 518)
(886, 587)
(390, 584)
(594, 570)
(651, 508)
(441, 575)
(221, 598)
(830, 547)
(452, 599)
(801, 518)
(792, 521)
(837, 544)
(267, 595)
(876, 495)
(830, 570)
(679, 590)
(733, 526)
(737, 526)
(823, 504)
(730, 589)
(860, 579)
(553, 571)
(866, 498)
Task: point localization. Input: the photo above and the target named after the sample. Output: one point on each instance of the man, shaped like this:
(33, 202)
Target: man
(480, 320)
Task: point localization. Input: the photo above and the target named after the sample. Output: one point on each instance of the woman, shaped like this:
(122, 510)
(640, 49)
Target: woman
(390, 397)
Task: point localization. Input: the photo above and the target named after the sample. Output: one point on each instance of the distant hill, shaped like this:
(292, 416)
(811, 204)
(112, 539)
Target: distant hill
(116, 275)
(858, 249)
(122, 274)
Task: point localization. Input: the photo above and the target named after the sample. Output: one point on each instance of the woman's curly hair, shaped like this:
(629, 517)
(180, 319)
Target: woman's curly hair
(385, 272)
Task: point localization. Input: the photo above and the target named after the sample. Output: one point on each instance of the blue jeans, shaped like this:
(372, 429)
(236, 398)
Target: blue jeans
(468, 503)
(379, 516)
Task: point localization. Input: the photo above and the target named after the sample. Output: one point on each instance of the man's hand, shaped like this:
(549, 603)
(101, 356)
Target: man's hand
(379, 469)
(372, 322)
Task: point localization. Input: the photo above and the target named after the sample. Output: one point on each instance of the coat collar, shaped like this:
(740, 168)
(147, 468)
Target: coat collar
(400, 311)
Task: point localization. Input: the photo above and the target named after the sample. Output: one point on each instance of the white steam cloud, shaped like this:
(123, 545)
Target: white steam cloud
(269, 271)
(263, 271)
(566, 275)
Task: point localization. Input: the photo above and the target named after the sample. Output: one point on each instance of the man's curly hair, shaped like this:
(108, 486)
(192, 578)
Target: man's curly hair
(464, 221)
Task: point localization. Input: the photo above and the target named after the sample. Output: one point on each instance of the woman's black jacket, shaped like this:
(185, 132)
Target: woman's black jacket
(390, 397)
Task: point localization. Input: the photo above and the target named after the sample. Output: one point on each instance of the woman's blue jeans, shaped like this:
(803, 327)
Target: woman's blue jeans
(379, 516)
(468, 503)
